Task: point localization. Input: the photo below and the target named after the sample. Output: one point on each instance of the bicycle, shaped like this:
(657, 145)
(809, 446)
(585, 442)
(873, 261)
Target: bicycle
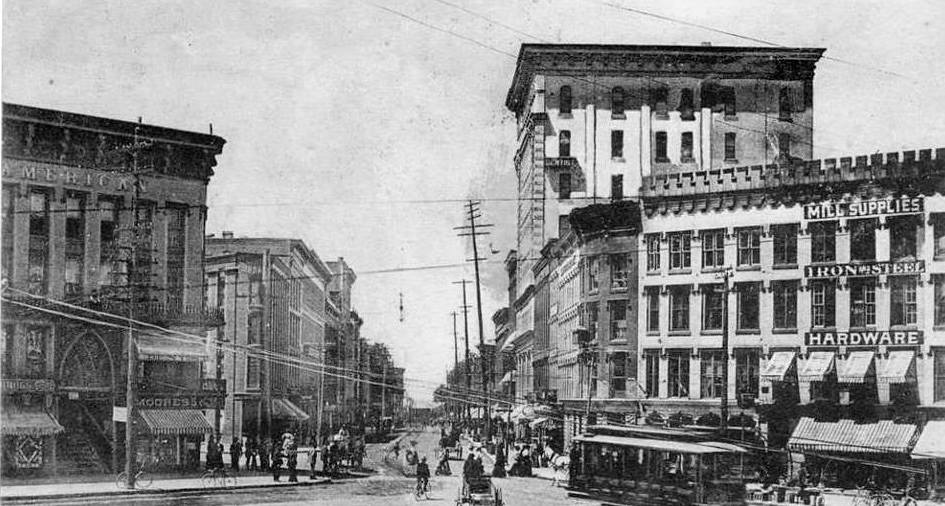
(217, 477)
(143, 478)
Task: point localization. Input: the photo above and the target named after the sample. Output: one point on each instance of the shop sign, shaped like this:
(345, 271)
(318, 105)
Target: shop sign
(28, 385)
(864, 338)
(863, 208)
(191, 401)
(213, 385)
(119, 413)
(96, 179)
(864, 269)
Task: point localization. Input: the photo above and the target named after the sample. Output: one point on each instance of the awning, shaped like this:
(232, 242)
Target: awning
(536, 422)
(285, 409)
(848, 437)
(931, 444)
(778, 365)
(165, 346)
(507, 378)
(817, 365)
(19, 421)
(510, 341)
(856, 367)
(896, 368)
(656, 444)
(175, 422)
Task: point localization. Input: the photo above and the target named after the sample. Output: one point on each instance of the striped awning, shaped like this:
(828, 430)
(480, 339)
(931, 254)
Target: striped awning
(897, 368)
(931, 444)
(169, 347)
(848, 437)
(856, 367)
(285, 409)
(19, 421)
(175, 422)
(816, 367)
(778, 365)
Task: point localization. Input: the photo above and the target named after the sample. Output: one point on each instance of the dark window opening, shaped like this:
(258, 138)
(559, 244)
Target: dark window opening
(661, 148)
(748, 305)
(823, 241)
(617, 102)
(686, 106)
(785, 105)
(784, 145)
(730, 153)
(785, 243)
(564, 100)
(564, 143)
(564, 185)
(616, 144)
(659, 98)
(863, 239)
(616, 187)
(685, 148)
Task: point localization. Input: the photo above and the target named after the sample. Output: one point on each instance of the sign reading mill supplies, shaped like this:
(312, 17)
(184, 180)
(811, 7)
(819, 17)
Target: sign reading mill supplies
(864, 208)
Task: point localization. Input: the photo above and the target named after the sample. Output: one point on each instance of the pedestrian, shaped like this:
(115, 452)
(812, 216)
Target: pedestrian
(292, 458)
(264, 449)
(252, 454)
(276, 461)
(236, 450)
(219, 462)
(498, 470)
(211, 453)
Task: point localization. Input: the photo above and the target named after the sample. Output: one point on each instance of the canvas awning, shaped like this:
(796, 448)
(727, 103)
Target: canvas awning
(816, 367)
(856, 367)
(848, 437)
(169, 347)
(931, 444)
(507, 378)
(778, 365)
(285, 409)
(897, 367)
(510, 341)
(175, 422)
(19, 421)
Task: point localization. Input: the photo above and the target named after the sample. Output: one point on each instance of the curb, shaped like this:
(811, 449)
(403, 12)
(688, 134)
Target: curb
(188, 491)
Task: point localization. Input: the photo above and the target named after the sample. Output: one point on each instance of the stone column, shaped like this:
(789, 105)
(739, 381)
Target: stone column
(93, 223)
(56, 250)
(646, 151)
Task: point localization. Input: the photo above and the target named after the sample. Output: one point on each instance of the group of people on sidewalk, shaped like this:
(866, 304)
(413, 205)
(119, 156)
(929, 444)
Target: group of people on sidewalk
(265, 456)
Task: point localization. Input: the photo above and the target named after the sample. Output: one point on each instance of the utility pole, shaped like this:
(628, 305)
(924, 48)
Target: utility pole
(455, 350)
(725, 275)
(465, 309)
(384, 392)
(472, 208)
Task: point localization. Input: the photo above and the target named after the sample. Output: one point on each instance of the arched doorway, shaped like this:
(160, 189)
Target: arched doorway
(86, 387)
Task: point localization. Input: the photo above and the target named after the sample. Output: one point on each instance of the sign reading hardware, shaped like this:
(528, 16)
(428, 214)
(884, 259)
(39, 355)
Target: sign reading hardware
(864, 269)
(150, 401)
(832, 210)
(864, 338)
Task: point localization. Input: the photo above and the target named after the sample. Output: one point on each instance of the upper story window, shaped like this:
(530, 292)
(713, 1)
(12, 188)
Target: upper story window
(39, 242)
(653, 252)
(616, 187)
(564, 143)
(785, 304)
(904, 300)
(686, 106)
(713, 248)
(685, 148)
(677, 373)
(620, 271)
(652, 309)
(784, 145)
(618, 372)
(938, 235)
(823, 303)
(748, 305)
(730, 153)
(862, 302)
(564, 225)
(728, 100)
(939, 310)
(7, 201)
(680, 250)
(712, 374)
(618, 319)
(617, 102)
(564, 100)
(591, 315)
(784, 241)
(863, 239)
(660, 150)
(823, 241)
(221, 289)
(593, 274)
(564, 185)
(903, 237)
(652, 358)
(713, 304)
(75, 243)
(746, 371)
(749, 246)
(785, 104)
(659, 98)
(616, 143)
(679, 308)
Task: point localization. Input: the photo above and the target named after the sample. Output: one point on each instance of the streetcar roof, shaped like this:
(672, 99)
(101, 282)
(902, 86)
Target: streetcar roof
(661, 445)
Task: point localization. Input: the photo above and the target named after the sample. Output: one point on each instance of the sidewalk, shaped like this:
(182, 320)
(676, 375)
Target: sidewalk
(98, 488)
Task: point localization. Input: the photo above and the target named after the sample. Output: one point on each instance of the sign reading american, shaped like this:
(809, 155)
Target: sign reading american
(864, 269)
(111, 181)
(833, 210)
(864, 338)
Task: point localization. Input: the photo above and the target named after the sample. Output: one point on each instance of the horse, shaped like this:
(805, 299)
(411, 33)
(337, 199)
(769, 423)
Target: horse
(557, 462)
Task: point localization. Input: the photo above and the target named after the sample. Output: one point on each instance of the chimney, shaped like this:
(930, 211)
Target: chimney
(227, 234)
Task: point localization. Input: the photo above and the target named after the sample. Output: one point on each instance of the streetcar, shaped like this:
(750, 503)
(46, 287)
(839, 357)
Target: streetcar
(647, 471)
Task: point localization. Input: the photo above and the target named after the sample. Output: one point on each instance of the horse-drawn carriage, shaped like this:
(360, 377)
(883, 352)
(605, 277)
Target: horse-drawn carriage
(479, 491)
(344, 451)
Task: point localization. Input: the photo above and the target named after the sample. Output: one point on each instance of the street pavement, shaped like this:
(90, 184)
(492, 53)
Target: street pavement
(388, 486)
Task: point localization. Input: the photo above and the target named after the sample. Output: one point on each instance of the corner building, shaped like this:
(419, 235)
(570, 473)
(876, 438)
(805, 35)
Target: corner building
(836, 308)
(67, 237)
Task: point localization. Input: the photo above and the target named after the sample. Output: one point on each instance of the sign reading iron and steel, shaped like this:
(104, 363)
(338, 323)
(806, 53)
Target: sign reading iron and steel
(177, 401)
(864, 269)
(13, 385)
(864, 208)
(864, 338)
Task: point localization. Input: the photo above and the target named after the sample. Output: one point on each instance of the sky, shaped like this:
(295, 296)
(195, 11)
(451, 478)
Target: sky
(340, 116)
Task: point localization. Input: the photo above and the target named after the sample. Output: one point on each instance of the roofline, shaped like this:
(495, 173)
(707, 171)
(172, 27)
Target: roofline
(812, 54)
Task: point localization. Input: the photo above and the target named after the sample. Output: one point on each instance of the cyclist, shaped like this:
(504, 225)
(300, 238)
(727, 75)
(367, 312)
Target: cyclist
(423, 476)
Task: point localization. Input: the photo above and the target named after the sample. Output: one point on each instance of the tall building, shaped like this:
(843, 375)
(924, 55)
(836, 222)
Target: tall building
(273, 293)
(69, 233)
(344, 390)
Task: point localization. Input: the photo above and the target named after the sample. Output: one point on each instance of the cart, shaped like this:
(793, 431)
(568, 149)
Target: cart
(480, 491)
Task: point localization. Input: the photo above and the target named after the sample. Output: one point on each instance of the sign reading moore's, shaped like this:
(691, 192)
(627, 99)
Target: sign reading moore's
(194, 401)
(864, 338)
(864, 269)
(875, 207)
